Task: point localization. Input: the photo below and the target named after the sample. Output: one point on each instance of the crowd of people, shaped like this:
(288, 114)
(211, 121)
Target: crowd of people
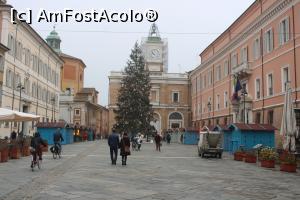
(124, 143)
(115, 141)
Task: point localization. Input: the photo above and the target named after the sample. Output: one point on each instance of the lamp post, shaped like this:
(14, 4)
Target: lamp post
(70, 109)
(209, 108)
(244, 93)
(20, 87)
(53, 102)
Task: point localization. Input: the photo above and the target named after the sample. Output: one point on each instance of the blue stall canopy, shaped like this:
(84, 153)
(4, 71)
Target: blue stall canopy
(191, 136)
(47, 130)
(248, 135)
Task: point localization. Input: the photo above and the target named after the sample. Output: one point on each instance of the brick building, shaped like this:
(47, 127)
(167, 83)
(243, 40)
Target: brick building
(261, 49)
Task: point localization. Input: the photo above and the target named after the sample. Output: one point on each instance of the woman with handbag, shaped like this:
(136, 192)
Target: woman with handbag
(125, 148)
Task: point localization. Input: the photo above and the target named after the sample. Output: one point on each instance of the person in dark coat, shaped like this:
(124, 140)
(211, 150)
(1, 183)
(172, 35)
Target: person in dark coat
(113, 143)
(124, 148)
(58, 138)
(13, 135)
(157, 140)
(35, 145)
(168, 138)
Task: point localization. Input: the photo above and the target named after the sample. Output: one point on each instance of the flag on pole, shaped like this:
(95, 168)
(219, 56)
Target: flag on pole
(237, 87)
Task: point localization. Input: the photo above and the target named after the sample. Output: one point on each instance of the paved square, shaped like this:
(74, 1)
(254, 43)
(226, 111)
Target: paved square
(85, 172)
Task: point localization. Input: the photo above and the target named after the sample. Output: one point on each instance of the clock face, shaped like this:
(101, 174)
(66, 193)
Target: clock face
(155, 53)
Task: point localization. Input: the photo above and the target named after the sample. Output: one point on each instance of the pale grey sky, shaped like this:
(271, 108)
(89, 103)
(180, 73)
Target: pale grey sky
(104, 52)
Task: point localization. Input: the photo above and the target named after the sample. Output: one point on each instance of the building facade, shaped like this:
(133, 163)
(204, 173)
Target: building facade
(31, 73)
(78, 105)
(261, 50)
(72, 72)
(169, 94)
(83, 110)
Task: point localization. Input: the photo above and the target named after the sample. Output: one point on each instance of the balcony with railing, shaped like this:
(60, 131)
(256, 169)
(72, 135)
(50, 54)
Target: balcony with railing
(242, 69)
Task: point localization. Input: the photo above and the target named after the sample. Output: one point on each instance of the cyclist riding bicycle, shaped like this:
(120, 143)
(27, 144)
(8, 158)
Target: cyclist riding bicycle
(35, 145)
(57, 138)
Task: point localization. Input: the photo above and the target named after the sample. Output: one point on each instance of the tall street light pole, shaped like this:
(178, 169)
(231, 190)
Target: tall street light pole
(53, 102)
(20, 87)
(244, 93)
(209, 107)
(70, 109)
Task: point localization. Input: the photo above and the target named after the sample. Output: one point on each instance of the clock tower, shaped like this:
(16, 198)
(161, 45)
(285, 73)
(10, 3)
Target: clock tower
(155, 51)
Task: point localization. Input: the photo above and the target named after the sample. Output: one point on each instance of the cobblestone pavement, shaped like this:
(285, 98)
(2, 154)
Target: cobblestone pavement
(85, 172)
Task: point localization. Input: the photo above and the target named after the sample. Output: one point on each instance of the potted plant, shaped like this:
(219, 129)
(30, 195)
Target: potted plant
(280, 147)
(3, 150)
(25, 147)
(250, 156)
(288, 162)
(267, 157)
(239, 155)
(14, 150)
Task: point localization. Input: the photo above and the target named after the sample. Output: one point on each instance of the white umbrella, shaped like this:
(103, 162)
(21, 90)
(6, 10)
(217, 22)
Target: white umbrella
(7, 115)
(288, 125)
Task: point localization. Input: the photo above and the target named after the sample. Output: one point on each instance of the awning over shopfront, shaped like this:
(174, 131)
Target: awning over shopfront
(7, 115)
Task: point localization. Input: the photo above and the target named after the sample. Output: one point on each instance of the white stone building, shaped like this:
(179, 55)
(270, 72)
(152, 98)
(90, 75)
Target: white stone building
(32, 66)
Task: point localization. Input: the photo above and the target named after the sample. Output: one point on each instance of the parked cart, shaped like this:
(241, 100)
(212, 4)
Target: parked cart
(210, 143)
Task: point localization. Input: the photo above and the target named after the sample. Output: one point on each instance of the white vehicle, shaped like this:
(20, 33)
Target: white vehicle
(210, 144)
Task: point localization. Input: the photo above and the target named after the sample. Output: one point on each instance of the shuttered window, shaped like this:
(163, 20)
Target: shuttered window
(268, 41)
(284, 31)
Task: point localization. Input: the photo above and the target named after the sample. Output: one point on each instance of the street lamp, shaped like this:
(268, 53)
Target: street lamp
(20, 87)
(53, 102)
(209, 109)
(70, 109)
(244, 93)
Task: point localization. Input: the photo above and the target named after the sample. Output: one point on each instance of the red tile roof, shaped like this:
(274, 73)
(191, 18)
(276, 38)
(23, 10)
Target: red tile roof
(52, 125)
(254, 127)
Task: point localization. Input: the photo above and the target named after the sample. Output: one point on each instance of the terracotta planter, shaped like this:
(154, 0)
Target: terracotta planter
(44, 148)
(268, 163)
(239, 156)
(4, 155)
(25, 151)
(250, 159)
(15, 152)
(288, 167)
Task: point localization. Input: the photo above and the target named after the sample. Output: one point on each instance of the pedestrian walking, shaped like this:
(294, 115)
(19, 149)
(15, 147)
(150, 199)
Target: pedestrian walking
(113, 143)
(168, 138)
(124, 148)
(157, 139)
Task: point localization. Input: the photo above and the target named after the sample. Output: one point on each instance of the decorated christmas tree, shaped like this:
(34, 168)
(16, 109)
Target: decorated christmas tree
(134, 111)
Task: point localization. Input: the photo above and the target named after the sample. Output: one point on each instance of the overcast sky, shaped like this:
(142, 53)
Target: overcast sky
(189, 25)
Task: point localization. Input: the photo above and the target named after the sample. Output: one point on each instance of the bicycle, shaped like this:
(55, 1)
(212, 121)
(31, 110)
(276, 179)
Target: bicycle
(35, 163)
(56, 151)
